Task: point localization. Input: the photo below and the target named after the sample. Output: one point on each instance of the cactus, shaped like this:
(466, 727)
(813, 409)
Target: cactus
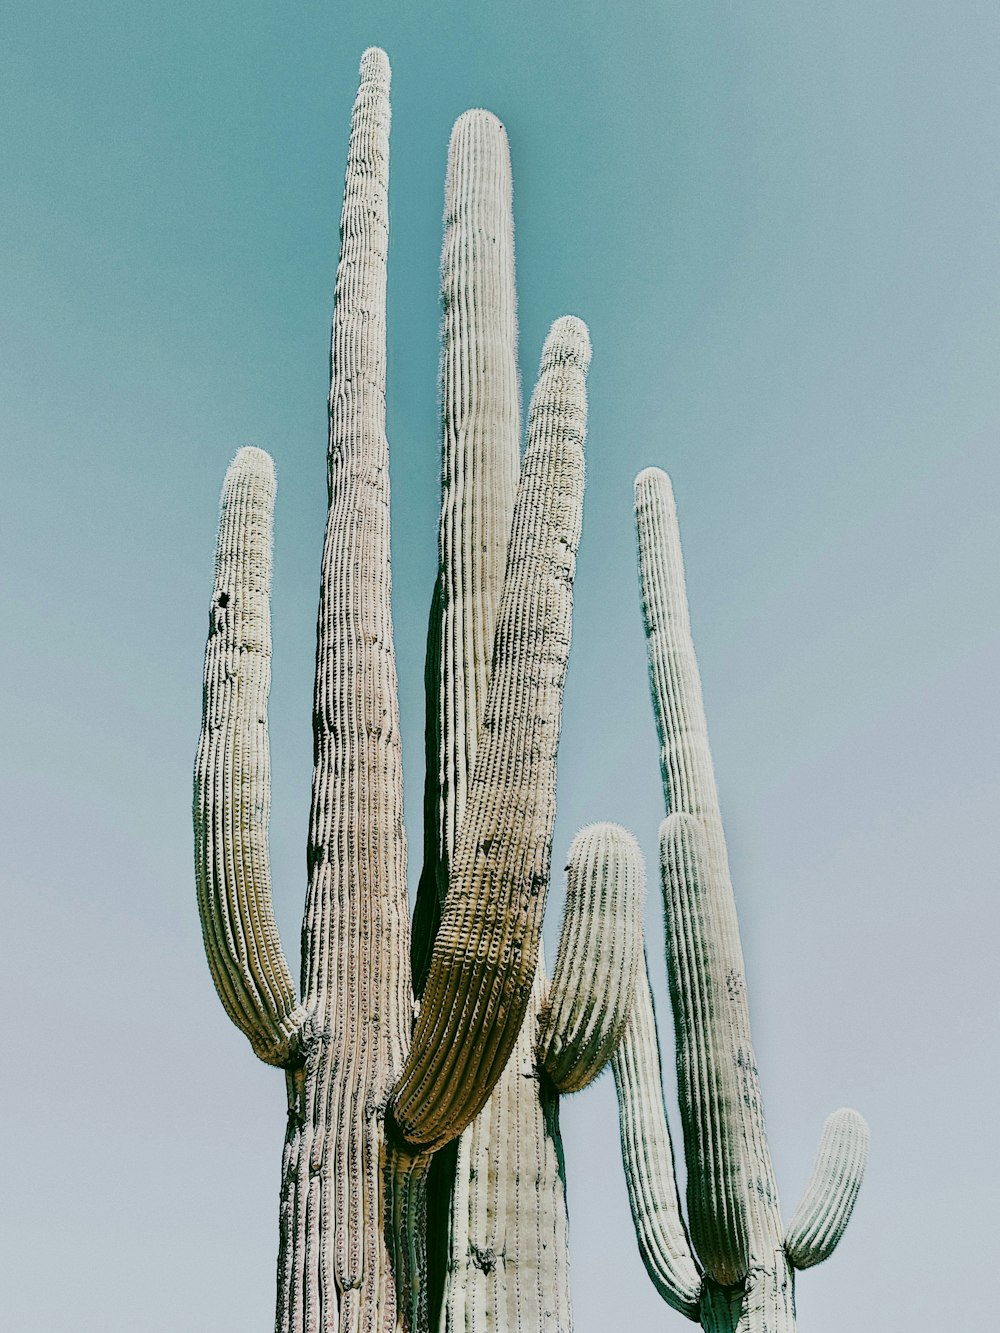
(497, 1195)
(376, 1082)
(742, 1280)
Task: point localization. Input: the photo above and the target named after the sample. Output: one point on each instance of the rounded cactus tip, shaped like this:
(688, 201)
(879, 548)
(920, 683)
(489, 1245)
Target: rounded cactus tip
(568, 343)
(653, 478)
(375, 66)
(478, 120)
(252, 462)
(848, 1121)
(611, 835)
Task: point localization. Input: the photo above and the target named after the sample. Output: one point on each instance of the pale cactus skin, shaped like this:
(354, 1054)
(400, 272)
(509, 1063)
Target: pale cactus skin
(732, 1266)
(376, 1081)
(497, 1194)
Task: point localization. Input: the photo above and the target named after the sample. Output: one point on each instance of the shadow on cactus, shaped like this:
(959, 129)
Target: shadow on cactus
(732, 1266)
(381, 1073)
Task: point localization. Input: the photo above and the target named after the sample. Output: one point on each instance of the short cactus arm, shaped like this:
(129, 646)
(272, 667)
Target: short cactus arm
(648, 1157)
(600, 952)
(828, 1202)
(732, 1195)
(232, 778)
(483, 963)
(480, 462)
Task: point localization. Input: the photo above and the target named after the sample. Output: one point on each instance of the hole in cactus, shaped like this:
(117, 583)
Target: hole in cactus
(223, 599)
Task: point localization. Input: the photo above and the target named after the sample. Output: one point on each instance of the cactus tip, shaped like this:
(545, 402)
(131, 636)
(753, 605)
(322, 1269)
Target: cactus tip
(653, 478)
(478, 118)
(249, 456)
(375, 66)
(847, 1118)
(253, 464)
(605, 832)
(568, 342)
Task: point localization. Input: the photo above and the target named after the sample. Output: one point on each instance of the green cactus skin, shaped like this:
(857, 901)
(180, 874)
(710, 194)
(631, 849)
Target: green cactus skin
(745, 1256)
(371, 1094)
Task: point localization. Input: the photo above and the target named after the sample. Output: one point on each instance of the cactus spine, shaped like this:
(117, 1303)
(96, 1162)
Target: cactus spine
(743, 1278)
(371, 1093)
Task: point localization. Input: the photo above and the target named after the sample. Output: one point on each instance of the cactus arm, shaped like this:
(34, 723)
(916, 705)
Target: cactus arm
(600, 950)
(480, 410)
(706, 986)
(826, 1207)
(485, 953)
(732, 1195)
(232, 778)
(355, 936)
(648, 1158)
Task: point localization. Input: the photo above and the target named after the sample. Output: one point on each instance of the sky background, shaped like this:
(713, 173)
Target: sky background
(779, 220)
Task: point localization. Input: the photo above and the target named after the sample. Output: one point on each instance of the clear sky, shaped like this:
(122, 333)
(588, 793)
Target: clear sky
(779, 220)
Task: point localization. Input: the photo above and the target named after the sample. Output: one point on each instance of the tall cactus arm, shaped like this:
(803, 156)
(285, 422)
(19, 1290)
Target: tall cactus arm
(483, 963)
(826, 1207)
(706, 989)
(732, 1195)
(355, 936)
(648, 1157)
(480, 409)
(600, 951)
(232, 777)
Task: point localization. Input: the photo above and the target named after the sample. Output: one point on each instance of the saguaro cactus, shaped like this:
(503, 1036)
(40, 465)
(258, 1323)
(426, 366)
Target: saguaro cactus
(371, 1092)
(497, 1195)
(736, 1274)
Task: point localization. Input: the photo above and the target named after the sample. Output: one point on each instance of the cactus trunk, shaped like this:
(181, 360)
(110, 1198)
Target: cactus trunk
(334, 1263)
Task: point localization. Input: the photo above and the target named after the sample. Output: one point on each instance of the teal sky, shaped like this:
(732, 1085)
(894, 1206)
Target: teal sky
(780, 221)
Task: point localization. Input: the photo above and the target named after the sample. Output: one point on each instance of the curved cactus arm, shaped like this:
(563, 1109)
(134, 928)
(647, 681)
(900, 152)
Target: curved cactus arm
(826, 1207)
(600, 951)
(480, 410)
(232, 774)
(732, 1195)
(483, 963)
(648, 1157)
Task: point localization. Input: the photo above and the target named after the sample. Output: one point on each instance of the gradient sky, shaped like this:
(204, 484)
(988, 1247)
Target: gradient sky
(779, 220)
